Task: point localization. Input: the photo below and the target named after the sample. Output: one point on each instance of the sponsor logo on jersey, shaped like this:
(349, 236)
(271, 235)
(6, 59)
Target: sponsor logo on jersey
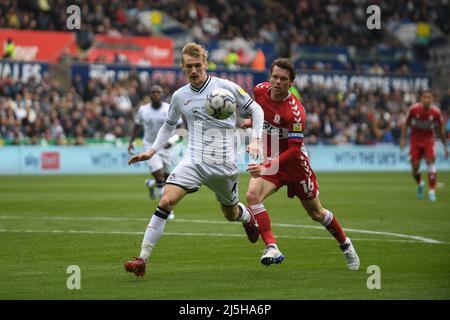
(273, 130)
(242, 91)
(297, 127)
(422, 124)
(187, 102)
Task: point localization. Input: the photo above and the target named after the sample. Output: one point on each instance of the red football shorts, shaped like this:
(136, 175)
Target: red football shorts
(417, 152)
(300, 180)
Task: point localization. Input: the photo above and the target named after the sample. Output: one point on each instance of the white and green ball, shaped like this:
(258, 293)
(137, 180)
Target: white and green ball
(220, 103)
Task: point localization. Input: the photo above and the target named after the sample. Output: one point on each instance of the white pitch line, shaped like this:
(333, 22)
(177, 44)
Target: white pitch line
(188, 234)
(384, 233)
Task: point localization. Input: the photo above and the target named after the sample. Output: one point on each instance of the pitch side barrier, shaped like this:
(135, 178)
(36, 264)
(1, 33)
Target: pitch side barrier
(113, 159)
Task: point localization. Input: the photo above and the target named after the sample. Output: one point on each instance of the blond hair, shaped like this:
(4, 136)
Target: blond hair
(194, 50)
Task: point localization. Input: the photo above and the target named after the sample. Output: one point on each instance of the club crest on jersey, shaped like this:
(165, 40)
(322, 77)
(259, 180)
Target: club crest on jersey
(277, 119)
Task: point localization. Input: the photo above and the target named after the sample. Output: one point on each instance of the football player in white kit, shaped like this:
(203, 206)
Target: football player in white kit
(152, 116)
(211, 158)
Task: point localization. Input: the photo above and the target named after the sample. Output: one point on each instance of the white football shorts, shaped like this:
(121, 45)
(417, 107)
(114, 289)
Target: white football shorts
(161, 160)
(221, 179)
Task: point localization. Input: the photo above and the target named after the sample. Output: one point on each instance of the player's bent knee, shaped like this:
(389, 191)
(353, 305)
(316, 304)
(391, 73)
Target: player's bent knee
(253, 198)
(316, 215)
(166, 203)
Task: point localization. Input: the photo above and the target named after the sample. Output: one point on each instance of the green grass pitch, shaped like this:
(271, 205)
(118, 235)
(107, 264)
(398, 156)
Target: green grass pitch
(97, 222)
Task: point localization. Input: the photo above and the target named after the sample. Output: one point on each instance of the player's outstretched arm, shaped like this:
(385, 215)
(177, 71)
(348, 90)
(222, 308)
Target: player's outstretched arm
(255, 170)
(254, 148)
(134, 134)
(142, 156)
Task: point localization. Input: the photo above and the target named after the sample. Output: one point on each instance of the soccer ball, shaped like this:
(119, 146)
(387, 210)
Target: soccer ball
(220, 104)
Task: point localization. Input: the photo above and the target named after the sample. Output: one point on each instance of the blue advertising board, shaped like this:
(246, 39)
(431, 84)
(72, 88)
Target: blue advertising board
(23, 160)
(247, 79)
(22, 71)
(170, 76)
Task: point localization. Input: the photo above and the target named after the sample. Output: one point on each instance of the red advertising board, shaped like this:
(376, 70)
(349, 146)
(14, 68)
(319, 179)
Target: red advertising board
(153, 51)
(37, 45)
(50, 160)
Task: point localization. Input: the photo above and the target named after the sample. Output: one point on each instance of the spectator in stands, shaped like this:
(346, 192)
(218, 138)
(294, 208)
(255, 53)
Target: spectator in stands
(10, 49)
(259, 61)
(232, 59)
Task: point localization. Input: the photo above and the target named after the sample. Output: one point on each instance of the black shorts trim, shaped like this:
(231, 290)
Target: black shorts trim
(185, 188)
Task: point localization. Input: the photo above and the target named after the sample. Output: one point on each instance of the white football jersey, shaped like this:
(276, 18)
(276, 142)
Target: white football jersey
(152, 119)
(211, 141)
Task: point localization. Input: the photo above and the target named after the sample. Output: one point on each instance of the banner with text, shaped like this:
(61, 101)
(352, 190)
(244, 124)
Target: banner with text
(171, 76)
(247, 79)
(23, 160)
(346, 81)
(154, 51)
(22, 70)
(34, 45)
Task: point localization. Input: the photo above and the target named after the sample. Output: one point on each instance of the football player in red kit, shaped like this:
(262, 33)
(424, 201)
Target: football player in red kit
(423, 118)
(287, 164)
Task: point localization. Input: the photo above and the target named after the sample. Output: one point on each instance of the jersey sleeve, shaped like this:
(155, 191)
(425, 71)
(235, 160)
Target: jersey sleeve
(243, 99)
(174, 114)
(295, 121)
(439, 118)
(138, 118)
(168, 128)
(409, 115)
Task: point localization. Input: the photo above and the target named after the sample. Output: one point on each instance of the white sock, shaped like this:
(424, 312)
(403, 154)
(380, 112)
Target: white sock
(245, 216)
(150, 183)
(328, 218)
(257, 208)
(146, 250)
(159, 191)
(152, 235)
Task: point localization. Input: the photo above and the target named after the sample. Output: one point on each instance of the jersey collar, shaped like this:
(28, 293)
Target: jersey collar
(285, 98)
(204, 85)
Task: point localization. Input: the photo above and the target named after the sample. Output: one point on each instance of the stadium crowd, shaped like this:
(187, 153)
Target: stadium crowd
(283, 23)
(327, 21)
(36, 111)
(43, 109)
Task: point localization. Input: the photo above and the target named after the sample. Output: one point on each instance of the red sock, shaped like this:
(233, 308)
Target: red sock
(432, 180)
(332, 224)
(265, 228)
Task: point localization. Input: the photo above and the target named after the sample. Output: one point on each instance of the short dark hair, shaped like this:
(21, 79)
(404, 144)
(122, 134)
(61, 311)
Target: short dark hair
(286, 64)
(427, 91)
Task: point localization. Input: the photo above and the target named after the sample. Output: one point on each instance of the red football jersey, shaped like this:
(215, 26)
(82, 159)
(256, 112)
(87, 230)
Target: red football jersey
(423, 122)
(283, 119)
